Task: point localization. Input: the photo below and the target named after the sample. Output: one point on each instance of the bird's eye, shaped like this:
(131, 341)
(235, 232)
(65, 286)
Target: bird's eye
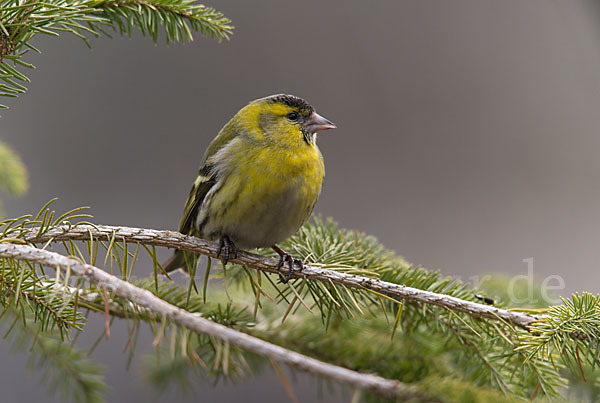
(293, 116)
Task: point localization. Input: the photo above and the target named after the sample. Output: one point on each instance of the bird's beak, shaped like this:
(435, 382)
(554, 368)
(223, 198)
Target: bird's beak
(317, 123)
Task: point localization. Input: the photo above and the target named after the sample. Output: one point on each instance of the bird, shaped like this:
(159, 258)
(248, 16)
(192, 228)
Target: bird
(258, 181)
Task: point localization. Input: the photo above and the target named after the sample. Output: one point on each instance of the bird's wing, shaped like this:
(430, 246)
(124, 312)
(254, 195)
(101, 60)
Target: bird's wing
(202, 185)
(204, 181)
(207, 177)
(226, 134)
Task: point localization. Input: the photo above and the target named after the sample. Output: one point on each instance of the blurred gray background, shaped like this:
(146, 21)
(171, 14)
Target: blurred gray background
(467, 142)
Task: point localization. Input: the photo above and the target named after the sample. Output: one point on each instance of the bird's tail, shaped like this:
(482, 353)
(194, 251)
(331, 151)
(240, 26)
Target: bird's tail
(180, 260)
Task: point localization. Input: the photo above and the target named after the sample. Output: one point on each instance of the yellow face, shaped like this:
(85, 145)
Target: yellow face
(275, 122)
(285, 120)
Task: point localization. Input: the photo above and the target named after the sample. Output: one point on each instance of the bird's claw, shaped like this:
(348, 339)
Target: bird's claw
(291, 261)
(226, 247)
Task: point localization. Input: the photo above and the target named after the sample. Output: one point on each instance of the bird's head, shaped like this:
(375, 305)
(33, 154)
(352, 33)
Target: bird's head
(284, 119)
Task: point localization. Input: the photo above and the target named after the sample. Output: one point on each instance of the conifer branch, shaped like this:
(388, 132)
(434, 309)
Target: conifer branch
(64, 368)
(13, 174)
(177, 240)
(148, 15)
(144, 298)
(22, 20)
(573, 324)
(21, 287)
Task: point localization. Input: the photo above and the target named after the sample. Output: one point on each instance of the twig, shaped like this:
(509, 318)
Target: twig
(177, 240)
(373, 383)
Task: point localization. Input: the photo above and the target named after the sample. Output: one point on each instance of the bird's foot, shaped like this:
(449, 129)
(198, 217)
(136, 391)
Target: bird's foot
(285, 257)
(226, 247)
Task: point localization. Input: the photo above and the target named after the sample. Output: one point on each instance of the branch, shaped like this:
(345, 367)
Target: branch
(13, 174)
(125, 15)
(22, 20)
(171, 239)
(373, 383)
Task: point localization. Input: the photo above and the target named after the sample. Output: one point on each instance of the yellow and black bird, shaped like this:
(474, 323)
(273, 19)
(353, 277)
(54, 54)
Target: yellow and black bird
(259, 179)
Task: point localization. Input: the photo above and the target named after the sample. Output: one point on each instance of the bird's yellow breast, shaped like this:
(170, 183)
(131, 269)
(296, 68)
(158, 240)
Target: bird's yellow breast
(276, 171)
(275, 191)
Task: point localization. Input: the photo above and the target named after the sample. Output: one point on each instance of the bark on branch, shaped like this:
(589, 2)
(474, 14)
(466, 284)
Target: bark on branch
(373, 383)
(177, 240)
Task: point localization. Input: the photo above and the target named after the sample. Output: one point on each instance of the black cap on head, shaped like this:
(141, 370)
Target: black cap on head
(294, 102)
